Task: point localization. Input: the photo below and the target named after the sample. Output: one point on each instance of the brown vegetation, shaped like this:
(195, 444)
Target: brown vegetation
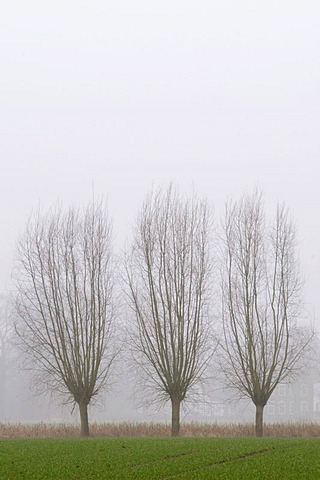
(126, 429)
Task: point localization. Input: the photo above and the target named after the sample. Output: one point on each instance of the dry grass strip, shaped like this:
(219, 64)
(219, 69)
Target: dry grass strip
(127, 429)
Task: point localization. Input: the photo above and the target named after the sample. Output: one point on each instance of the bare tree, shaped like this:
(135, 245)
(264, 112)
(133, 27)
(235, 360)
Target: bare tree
(263, 344)
(64, 278)
(167, 275)
(6, 327)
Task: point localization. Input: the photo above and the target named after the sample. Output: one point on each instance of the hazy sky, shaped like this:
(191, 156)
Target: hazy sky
(129, 94)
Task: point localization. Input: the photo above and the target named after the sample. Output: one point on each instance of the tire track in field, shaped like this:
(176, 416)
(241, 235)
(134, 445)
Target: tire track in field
(219, 462)
(159, 460)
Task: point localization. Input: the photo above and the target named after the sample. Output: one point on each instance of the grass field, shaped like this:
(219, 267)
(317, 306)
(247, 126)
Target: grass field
(159, 458)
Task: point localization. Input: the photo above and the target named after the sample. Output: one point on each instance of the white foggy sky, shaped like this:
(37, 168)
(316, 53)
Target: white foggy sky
(130, 94)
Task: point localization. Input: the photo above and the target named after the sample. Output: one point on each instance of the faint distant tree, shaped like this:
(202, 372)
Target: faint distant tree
(261, 286)
(6, 327)
(65, 282)
(167, 274)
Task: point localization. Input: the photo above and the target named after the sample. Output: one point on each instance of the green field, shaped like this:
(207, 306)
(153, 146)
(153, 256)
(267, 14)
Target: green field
(160, 458)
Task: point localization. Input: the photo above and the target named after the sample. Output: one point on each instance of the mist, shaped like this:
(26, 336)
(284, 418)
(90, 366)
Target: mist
(113, 99)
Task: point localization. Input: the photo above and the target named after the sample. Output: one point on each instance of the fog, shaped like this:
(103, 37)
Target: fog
(114, 98)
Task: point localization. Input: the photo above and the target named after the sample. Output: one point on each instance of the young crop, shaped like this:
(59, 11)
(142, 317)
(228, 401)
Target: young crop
(159, 458)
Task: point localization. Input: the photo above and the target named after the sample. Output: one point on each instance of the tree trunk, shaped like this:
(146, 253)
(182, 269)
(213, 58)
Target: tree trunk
(83, 407)
(259, 420)
(175, 419)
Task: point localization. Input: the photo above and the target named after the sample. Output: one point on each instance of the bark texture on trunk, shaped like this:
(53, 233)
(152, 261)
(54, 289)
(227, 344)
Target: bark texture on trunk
(175, 421)
(83, 408)
(259, 420)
